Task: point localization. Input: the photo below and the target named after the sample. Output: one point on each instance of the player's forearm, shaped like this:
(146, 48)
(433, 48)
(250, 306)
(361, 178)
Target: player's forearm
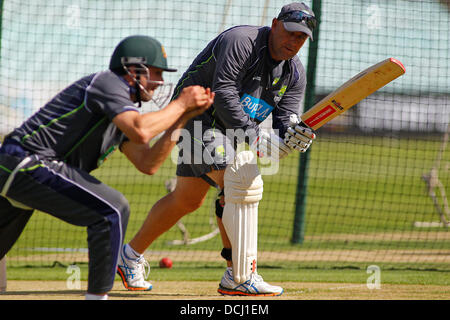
(140, 129)
(153, 123)
(192, 100)
(152, 159)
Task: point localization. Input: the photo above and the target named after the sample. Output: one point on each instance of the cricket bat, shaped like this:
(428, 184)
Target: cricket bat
(353, 91)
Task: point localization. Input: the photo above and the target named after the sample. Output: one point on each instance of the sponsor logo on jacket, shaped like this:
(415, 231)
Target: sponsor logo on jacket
(256, 108)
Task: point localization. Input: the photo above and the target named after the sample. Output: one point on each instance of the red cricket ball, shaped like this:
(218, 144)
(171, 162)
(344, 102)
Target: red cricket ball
(165, 263)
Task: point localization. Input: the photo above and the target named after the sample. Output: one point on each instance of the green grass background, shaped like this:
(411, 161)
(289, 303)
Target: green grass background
(214, 272)
(358, 185)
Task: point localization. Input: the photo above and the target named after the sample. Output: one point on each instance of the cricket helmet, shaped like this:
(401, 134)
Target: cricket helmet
(139, 49)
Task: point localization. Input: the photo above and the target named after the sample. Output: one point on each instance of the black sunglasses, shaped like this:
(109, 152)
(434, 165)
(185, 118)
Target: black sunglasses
(299, 16)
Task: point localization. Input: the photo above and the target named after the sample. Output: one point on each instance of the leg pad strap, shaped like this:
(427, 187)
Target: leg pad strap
(226, 254)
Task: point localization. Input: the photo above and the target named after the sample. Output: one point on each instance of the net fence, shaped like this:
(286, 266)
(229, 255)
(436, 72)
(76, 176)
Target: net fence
(378, 176)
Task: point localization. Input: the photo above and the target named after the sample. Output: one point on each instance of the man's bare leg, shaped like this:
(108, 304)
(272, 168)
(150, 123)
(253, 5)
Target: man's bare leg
(162, 216)
(169, 209)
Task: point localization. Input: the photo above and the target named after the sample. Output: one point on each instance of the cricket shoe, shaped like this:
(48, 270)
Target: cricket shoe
(133, 273)
(254, 286)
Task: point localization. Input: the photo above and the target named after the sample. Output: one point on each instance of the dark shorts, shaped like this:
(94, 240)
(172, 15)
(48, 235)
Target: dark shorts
(200, 155)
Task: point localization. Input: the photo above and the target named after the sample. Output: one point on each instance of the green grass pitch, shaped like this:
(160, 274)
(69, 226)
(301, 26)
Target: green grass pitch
(358, 187)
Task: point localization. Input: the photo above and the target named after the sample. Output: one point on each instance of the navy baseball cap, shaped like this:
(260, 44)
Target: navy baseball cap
(297, 16)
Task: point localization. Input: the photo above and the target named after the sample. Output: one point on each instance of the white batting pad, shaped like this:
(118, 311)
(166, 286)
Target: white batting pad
(243, 191)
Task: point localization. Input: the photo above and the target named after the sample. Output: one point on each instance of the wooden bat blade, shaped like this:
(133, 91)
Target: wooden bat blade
(353, 91)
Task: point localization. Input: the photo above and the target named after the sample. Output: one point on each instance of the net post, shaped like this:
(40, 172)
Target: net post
(3, 274)
(298, 234)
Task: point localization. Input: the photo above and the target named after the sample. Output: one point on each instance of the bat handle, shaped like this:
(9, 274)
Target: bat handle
(311, 134)
(294, 121)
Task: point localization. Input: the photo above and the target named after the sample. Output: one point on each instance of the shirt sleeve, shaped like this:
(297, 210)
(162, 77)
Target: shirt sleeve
(109, 95)
(292, 100)
(232, 53)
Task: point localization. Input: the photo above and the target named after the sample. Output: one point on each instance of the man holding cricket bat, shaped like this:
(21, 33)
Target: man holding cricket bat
(254, 72)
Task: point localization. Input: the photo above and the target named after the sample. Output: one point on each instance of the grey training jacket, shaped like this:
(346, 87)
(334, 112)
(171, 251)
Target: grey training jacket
(249, 85)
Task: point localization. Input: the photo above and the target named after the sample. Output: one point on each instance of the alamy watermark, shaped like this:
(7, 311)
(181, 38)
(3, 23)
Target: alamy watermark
(73, 13)
(374, 19)
(374, 280)
(73, 282)
(212, 147)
